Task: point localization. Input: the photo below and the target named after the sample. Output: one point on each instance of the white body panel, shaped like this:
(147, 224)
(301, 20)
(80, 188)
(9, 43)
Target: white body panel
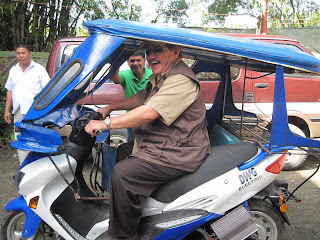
(42, 179)
(98, 229)
(222, 193)
(216, 196)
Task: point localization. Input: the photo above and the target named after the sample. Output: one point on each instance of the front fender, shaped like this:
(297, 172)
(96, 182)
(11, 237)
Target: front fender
(32, 220)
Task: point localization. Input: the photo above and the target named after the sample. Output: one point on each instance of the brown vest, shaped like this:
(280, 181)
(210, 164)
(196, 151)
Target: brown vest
(185, 143)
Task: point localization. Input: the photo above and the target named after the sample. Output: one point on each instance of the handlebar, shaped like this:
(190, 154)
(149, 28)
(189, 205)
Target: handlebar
(98, 132)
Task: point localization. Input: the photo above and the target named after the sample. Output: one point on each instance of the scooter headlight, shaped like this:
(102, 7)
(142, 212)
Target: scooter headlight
(18, 179)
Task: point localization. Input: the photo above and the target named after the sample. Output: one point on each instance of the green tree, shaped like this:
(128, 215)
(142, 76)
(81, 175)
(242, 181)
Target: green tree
(175, 11)
(285, 13)
(39, 23)
(6, 18)
(218, 10)
(293, 13)
(123, 9)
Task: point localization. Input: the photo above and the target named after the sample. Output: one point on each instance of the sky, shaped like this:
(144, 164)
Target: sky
(149, 13)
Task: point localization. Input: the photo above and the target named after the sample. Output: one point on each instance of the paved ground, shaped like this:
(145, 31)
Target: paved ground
(305, 216)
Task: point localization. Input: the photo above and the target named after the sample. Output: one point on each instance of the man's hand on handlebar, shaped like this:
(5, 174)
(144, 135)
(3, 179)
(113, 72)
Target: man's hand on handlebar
(94, 125)
(105, 111)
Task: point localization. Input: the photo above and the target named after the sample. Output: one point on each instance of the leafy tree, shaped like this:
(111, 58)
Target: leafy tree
(122, 9)
(39, 23)
(293, 13)
(218, 10)
(6, 18)
(6, 130)
(175, 11)
(285, 13)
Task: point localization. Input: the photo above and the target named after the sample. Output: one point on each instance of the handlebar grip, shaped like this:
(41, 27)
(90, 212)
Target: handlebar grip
(98, 132)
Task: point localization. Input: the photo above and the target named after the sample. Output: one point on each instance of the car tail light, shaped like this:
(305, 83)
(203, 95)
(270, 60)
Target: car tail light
(277, 165)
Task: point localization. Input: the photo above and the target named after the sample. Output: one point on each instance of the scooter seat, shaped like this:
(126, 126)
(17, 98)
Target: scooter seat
(221, 160)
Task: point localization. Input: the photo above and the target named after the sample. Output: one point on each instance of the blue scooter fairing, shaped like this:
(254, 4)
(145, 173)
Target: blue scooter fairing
(32, 220)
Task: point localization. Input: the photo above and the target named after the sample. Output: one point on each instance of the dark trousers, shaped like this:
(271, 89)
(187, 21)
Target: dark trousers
(132, 180)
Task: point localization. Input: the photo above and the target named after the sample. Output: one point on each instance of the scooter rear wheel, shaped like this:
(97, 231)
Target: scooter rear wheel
(269, 222)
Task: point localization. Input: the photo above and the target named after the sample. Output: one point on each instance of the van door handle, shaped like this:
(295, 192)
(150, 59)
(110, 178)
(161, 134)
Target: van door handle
(261, 85)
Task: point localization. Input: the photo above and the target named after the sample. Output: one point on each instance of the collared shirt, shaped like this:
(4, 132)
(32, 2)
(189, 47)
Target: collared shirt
(25, 85)
(170, 101)
(179, 138)
(130, 84)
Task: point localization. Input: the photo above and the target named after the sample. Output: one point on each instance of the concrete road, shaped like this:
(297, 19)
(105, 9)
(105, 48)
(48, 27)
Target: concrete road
(305, 216)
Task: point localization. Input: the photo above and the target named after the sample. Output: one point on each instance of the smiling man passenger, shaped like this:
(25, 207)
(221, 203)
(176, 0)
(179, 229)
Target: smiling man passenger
(169, 123)
(133, 80)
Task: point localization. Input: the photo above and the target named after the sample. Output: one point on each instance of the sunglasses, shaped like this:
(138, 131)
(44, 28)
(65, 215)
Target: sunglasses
(156, 50)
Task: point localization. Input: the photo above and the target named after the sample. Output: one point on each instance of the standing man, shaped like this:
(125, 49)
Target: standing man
(133, 80)
(171, 138)
(25, 80)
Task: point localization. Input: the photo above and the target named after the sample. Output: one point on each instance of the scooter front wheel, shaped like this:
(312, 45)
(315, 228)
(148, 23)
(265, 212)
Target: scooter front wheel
(12, 226)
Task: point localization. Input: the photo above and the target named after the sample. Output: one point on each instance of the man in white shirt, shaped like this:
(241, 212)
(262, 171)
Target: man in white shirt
(25, 80)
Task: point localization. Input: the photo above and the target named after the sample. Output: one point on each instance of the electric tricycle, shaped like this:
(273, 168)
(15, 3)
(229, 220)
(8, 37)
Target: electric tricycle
(234, 194)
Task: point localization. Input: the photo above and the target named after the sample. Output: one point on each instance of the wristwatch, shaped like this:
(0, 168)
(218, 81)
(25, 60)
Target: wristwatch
(107, 122)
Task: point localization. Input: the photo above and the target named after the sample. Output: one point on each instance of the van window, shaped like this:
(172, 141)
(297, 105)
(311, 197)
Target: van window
(64, 53)
(188, 62)
(67, 52)
(213, 76)
(60, 83)
(235, 73)
(100, 75)
(208, 76)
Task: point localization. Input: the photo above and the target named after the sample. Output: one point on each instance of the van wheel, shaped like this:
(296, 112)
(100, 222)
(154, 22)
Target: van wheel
(296, 156)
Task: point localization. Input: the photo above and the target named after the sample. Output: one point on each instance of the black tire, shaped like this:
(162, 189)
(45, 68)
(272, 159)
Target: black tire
(12, 226)
(269, 222)
(296, 156)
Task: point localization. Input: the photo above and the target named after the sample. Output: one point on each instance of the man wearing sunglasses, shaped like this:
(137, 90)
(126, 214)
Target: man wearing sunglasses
(169, 123)
(133, 80)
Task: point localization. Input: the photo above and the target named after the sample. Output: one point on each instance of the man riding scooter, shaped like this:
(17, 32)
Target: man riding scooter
(169, 123)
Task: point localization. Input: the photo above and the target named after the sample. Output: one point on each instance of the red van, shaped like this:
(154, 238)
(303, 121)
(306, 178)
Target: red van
(302, 91)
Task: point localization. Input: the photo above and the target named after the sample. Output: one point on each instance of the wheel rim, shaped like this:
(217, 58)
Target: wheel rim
(117, 140)
(296, 156)
(15, 227)
(267, 228)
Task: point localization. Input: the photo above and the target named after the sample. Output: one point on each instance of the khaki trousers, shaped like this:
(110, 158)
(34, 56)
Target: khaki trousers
(22, 154)
(132, 180)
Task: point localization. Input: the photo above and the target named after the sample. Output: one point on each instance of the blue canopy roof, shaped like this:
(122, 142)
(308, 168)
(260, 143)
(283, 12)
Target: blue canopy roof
(113, 41)
(232, 48)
